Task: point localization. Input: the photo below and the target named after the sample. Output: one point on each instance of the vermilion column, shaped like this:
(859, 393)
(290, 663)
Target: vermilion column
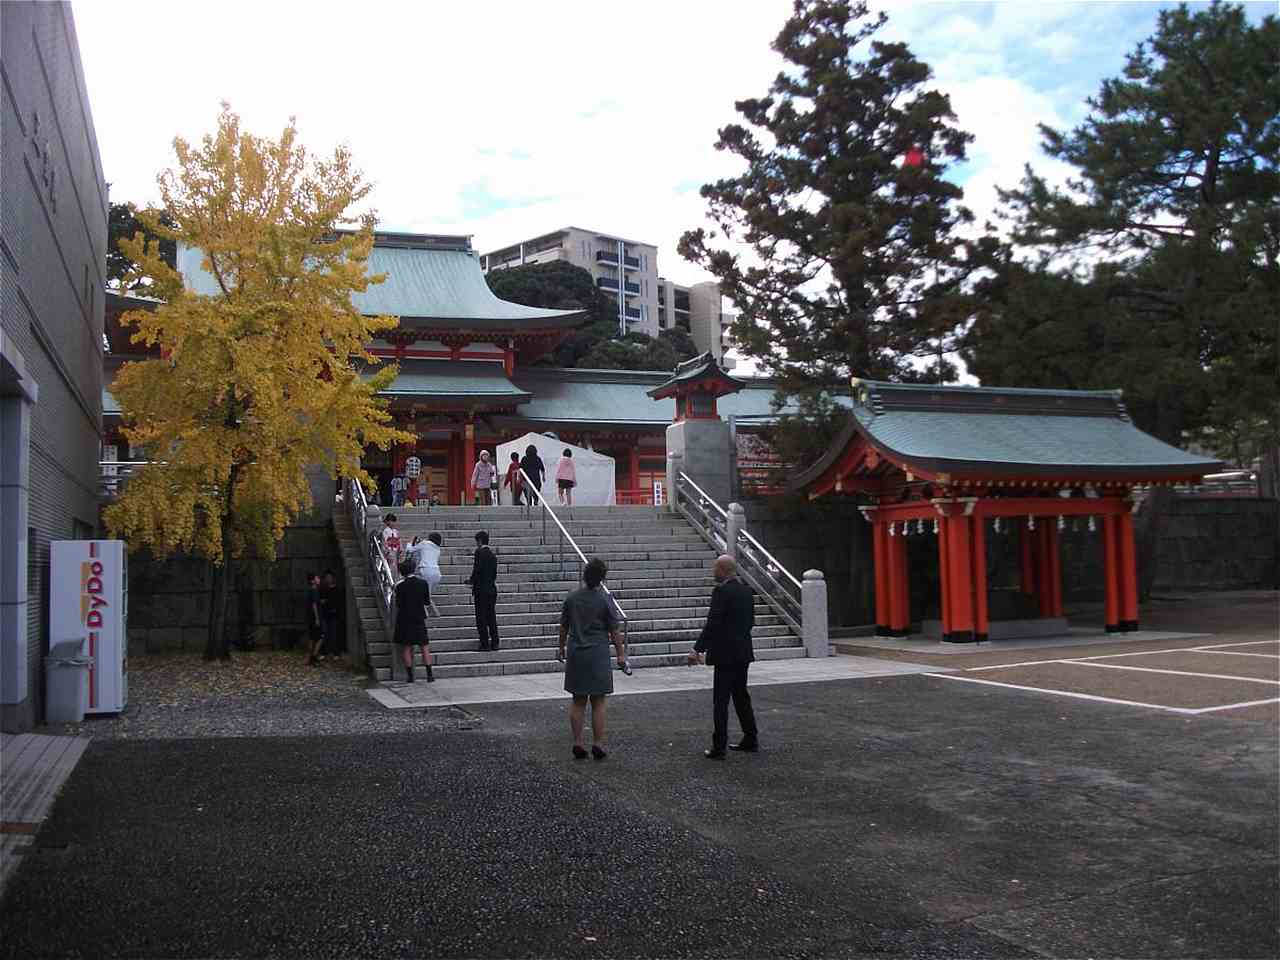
(1044, 567)
(959, 556)
(1128, 569)
(634, 467)
(468, 460)
(1111, 571)
(978, 564)
(882, 574)
(1053, 544)
(944, 578)
(895, 566)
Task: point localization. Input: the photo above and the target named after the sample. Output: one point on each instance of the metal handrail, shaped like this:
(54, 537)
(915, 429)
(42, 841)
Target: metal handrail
(702, 493)
(379, 569)
(756, 565)
(565, 535)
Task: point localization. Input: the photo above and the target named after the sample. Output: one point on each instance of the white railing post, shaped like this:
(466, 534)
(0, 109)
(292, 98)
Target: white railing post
(734, 521)
(675, 462)
(813, 614)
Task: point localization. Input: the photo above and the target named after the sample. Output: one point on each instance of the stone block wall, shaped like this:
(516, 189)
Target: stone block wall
(1219, 543)
(169, 599)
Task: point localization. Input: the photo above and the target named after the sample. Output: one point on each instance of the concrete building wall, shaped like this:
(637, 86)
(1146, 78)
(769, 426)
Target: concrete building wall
(53, 235)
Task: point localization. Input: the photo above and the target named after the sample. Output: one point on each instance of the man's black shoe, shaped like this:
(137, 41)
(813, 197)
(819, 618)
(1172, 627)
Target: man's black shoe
(713, 754)
(746, 746)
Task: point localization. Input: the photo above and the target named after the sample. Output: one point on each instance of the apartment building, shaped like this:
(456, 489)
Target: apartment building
(699, 311)
(625, 270)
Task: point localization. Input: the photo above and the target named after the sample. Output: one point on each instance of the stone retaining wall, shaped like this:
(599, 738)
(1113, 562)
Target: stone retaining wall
(169, 599)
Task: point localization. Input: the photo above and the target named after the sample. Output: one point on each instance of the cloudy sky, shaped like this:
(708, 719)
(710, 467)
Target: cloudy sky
(507, 120)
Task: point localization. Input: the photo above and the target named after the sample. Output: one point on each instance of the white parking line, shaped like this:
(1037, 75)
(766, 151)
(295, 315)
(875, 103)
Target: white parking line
(1112, 656)
(1185, 711)
(1176, 673)
(1068, 693)
(1247, 643)
(1237, 653)
(1237, 706)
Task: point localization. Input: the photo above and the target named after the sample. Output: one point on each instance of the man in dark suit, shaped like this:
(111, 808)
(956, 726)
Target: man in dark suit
(484, 592)
(726, 642)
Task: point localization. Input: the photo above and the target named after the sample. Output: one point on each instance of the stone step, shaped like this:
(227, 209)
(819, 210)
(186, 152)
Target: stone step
(635, 628)
(382, 671)
(627, 563)
(459, 616)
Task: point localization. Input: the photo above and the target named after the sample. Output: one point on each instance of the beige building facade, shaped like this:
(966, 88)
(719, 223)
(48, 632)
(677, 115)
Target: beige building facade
(627, 271)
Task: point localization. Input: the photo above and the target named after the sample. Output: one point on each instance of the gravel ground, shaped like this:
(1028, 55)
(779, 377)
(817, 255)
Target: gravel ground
(268, 693)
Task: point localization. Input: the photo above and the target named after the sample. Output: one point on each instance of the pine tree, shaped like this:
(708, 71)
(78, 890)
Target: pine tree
(259, 381)
(855, 266)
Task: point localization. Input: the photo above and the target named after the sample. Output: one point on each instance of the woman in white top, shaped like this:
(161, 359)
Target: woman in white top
(426, 556)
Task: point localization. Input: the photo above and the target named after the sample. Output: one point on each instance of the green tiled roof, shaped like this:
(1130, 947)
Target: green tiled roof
(453, 379)
(620, 397)
(976, 430)
(424, 284)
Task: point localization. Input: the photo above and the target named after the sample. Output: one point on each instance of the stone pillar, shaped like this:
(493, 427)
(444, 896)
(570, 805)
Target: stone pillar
(675, 463)
(704, 445)
(468, 461)
(734, 522)
(813, 614)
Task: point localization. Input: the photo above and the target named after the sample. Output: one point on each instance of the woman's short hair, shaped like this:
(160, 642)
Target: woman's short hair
(406, 567)
(514, 455)
(568, 452)
(390, 518)
(435, 538)
(594, 572)
(531, 451)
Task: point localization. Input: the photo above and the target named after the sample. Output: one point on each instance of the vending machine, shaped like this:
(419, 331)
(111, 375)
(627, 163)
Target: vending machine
(89, 601)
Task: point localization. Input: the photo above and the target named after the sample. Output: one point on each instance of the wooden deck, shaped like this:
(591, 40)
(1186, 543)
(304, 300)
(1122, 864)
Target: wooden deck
(33, 767)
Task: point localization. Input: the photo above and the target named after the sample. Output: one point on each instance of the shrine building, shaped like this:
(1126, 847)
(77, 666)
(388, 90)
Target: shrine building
(466, 376)
(960, 464)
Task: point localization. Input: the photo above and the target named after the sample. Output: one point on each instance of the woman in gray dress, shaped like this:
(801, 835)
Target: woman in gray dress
(588, 622)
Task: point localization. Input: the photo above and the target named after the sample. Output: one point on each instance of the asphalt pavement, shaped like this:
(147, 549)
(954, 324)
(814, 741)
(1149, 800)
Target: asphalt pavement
(900, 816)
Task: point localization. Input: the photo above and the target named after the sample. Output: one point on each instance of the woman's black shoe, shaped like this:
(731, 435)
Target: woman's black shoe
(579, 753)
(597, 752)
(713, 754)
(746, 746)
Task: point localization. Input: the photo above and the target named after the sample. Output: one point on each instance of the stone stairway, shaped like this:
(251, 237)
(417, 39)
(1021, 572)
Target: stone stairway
(659, 571)
(369, 618)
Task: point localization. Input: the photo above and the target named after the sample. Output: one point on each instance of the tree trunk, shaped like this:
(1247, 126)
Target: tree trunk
(216, 648)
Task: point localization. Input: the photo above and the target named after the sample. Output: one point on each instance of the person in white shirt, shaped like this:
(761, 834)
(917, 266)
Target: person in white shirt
(425, 555)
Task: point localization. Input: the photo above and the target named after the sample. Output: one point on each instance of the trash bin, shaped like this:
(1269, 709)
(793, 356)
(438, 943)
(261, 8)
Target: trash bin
(66, 673)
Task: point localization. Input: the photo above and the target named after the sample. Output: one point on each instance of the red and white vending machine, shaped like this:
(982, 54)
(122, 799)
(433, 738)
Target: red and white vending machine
(89, 600)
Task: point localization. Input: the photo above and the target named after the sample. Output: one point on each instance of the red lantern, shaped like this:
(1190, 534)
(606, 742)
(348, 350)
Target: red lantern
(914, 158)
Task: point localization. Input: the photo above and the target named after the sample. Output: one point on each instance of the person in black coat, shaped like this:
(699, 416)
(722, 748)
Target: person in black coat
(726, 644)
(535, 470)
(484, 592)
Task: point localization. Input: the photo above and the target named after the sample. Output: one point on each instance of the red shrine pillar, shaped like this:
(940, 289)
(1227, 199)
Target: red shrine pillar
(1049, 569)
(879, 534)
(633, 468)
(1111, 570)
(1128, 570)
(978, 564)
(902, 616)
(944, 577)
(959, 561)
(468, 459)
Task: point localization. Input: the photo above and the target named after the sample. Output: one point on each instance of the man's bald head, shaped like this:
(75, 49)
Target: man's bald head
(725, 567)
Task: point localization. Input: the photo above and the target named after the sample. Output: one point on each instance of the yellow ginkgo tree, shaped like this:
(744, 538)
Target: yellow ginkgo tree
(259, 370)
